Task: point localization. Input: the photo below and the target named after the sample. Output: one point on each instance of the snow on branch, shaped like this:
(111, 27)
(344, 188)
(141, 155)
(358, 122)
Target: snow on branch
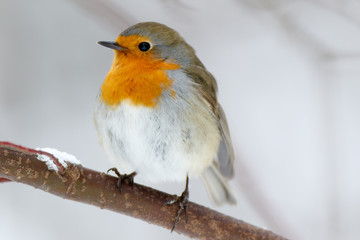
(62, 175)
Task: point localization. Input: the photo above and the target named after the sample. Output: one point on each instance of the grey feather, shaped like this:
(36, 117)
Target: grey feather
(225, 153)
(217, 187)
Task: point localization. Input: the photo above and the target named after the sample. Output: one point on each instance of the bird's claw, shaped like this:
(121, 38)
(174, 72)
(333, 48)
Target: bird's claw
(123, 178)
(183, 201)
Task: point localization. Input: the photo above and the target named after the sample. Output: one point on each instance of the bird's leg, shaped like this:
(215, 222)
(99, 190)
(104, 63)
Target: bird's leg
(123, 178)
(183, 204)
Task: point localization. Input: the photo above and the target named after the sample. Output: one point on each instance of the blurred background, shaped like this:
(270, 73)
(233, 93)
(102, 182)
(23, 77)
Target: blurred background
(289, 81)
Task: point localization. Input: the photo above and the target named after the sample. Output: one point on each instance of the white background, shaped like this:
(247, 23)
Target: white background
(289, 81)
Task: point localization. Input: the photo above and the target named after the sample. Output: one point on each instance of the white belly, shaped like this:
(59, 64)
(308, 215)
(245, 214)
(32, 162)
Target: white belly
(167, 142)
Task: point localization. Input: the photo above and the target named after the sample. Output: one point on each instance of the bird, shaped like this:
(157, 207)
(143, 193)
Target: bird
(158, 116)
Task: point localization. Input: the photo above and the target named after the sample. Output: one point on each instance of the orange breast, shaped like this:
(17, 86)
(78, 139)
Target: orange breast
(141, 79)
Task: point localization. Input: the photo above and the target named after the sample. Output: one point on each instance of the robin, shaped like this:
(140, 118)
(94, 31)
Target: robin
(158, 114)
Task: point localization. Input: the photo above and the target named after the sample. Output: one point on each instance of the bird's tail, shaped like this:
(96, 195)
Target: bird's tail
(217, 187)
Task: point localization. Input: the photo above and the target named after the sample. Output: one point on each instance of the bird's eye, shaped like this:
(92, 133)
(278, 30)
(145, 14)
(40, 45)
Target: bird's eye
(144, 46)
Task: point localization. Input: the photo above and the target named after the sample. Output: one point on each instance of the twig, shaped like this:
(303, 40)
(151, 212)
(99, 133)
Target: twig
(4, 180)
(88, 186)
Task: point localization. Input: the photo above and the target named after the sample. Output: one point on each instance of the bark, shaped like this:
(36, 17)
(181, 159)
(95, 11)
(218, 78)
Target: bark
(99, 189)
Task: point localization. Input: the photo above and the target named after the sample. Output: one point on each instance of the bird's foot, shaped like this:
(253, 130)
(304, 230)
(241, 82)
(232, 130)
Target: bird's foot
(183, 201)
(123, 178)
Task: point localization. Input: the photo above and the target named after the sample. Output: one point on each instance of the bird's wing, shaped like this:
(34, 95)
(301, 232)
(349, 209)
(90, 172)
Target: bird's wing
(225, 153)
(206, 84)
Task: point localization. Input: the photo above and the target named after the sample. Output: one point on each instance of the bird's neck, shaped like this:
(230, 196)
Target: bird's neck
(138, 79)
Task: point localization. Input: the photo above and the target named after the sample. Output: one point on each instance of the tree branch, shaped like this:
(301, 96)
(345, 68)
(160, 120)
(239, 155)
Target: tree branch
(81, 184)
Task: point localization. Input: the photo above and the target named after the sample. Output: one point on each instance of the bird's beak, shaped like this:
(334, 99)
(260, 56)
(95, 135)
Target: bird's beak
(113, 45)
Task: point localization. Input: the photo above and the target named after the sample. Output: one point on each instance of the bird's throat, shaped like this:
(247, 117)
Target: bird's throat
(141, 80)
